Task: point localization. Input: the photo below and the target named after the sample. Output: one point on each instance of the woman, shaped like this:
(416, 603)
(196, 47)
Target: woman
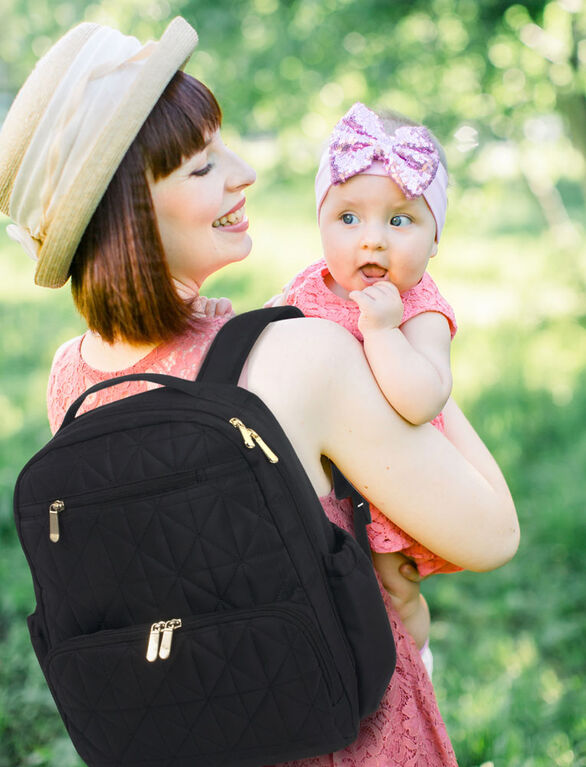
(113, 167)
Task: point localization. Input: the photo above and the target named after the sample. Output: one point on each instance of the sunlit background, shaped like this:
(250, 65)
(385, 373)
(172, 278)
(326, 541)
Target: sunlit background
(503, 87)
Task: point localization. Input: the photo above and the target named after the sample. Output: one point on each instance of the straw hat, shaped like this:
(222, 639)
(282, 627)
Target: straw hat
(69, 128)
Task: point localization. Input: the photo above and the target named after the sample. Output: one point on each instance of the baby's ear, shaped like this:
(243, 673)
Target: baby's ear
(434, 250)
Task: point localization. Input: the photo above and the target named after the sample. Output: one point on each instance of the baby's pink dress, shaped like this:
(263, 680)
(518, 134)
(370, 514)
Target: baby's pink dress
(310, 293)
(407, 729)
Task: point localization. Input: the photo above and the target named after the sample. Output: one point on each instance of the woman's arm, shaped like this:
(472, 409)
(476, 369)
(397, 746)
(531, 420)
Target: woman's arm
(314, 376)
(450, 497)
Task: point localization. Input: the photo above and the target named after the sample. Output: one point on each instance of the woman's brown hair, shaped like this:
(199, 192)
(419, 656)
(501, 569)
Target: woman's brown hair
(120, 279)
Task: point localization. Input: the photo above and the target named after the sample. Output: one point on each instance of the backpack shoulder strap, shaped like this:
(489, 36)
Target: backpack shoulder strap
(233, 342)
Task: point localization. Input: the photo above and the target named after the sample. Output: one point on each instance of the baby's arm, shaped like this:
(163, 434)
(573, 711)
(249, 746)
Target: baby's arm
(411, 364)
(401, 580)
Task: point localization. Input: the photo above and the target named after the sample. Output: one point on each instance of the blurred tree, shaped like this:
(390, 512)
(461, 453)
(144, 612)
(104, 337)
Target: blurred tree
(496, 71)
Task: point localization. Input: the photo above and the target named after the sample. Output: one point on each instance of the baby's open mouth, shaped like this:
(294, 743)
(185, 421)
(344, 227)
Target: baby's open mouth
(231, 218)
(372, 270)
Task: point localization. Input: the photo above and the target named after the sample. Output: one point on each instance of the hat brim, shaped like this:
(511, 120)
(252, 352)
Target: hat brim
(78, 204)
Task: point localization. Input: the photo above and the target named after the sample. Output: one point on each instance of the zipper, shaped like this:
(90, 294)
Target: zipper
(160, 634)
(250, 437)
(54, 510)
(161, 638)
(154, 638)
(133, 490)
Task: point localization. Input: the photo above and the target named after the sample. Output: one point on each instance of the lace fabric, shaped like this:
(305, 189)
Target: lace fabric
(310, 293)
(70, 375)
(407, 729)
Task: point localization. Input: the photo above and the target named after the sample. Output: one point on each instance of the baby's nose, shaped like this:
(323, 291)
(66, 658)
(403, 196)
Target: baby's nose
(374, 239)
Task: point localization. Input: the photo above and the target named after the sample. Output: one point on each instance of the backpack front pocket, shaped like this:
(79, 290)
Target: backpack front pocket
(168, 546)
(224, 673)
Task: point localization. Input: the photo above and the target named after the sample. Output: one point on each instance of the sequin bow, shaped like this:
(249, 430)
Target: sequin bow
(359, 139)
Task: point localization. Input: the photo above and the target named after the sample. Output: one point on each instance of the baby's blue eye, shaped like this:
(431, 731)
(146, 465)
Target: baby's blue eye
(401, 220)
(349, 218)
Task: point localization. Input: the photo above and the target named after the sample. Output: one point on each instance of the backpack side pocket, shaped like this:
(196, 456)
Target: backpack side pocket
(38, 640)
(363, 615)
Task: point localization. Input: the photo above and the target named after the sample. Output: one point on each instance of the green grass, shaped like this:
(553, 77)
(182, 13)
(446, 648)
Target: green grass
(507, 644)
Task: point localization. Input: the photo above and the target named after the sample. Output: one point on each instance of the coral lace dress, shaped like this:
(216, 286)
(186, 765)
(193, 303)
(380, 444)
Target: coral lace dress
(407, 730)
(309, 292)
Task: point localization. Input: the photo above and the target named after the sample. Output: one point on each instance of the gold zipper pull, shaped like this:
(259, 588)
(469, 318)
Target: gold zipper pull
(244, 430)
(54, 510)
(167, 638)
(264, 447)
(153, 645)
(248, 435)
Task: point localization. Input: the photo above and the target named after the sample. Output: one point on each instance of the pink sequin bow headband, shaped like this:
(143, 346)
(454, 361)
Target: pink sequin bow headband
(359, 144)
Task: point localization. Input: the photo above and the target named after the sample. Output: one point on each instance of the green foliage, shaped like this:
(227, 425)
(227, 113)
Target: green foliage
(507, 644)
(502, 85)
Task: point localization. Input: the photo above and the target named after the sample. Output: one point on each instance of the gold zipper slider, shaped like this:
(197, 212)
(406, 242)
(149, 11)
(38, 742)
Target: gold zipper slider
(264, 447)
(244, 430)
(54, 510)
(167, 638)
(248, 435)
(153, 645)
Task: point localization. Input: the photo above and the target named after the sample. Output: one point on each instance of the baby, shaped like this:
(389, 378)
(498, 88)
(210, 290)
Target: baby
(381, 204)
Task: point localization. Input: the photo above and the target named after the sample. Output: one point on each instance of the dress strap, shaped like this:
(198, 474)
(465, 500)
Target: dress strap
(233, 342)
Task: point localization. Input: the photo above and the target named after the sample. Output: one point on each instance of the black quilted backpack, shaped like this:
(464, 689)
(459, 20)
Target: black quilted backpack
(195, 606)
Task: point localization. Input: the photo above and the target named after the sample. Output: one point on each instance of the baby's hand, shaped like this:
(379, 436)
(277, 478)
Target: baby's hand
(212, 307)
(188, 290)
(278, 300)
(281, 298)
(380, 306)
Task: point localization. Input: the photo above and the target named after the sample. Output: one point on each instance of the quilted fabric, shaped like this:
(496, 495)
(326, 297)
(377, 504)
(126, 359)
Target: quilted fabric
(167, 514)
(250, 683)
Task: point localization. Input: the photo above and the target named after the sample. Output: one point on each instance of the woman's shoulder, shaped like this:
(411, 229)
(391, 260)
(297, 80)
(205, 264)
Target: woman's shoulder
(63, 379)
(68, 352)
(300, 359)
(304, 336)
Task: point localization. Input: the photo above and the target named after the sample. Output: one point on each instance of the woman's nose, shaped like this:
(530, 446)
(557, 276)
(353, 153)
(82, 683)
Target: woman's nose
(241, 174)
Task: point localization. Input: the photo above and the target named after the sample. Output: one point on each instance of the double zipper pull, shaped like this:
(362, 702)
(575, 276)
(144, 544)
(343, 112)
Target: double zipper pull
(154, 636)
(54, 510)
(250, 437)
(167, 638)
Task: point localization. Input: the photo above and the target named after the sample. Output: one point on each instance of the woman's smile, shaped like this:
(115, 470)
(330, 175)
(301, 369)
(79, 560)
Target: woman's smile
(234, 220)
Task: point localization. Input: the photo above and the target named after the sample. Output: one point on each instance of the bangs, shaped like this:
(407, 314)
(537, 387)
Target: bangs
(183, 119)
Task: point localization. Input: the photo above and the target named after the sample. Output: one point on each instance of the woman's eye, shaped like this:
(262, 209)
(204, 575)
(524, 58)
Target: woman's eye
(349, 218)
(202, 171)
(401, 220)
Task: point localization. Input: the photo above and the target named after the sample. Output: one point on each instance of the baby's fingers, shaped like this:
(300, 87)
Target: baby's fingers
(409, 571)
(361, 297)
(223, 307)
